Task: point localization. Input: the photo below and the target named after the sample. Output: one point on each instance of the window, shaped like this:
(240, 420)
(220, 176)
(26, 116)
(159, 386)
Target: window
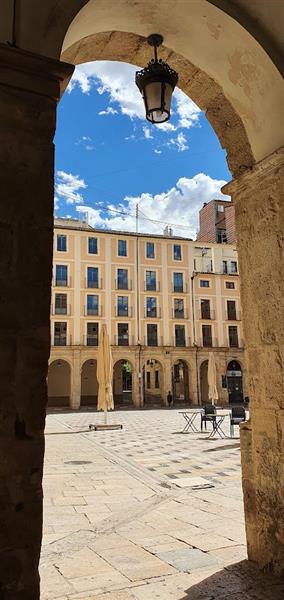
(204, 283)
(122, 306)
(157, 380)
(221, 236)
(178, 282)
(61, 276)
(122, 334)
(152, 335)
(92, 334)
(225, 266)
(61, 243)
(122, 279)
(179, 335)
(178, 308)
(207, 336)
(151, 307)
(231, 310)
(234, 266)
(150, 280)
(150, 250)
(230, 285)
(92, 277)
(92, 304)
(177, 252)
(121, 248)
(205, 309)
(92, 245)
(60, 333)
(60, 304)
(233, 337)
(148, 379)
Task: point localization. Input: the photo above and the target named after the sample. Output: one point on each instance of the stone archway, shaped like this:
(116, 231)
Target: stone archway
(59, 383)
(203, 371)
(238, 70)
(89, 383)
(180, 378)
(123, 383)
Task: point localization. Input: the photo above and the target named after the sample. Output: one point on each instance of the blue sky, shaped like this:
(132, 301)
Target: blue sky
(108, 157)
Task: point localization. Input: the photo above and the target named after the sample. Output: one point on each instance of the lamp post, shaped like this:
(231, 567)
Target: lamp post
(156, 83)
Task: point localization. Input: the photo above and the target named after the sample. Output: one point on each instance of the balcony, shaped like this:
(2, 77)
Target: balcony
(207, 315)
(94, 284)
(179, 314)
(59, 282)
(153, 313)
(61, 310)
(185, 343)
(179, 288)
(91, 340)
(208, 342)
(233, 315)
(61, 340)
(95, 311)
(123, 340)
(123, 285)
(124, 313)
(151, 286)
(153, 341)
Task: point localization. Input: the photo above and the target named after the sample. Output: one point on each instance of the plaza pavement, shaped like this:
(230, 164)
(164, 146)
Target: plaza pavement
(144, 513)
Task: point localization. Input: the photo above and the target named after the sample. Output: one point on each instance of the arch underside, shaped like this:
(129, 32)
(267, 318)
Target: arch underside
(202, 89)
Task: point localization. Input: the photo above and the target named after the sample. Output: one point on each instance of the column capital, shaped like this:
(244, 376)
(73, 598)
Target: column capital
(34, 73)
(252, 176)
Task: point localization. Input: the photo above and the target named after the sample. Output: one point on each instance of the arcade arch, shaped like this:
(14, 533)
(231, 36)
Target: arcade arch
(123, 383)
(180, 379)
(89, 383)
(203, 370)
(59, 383)
(153, 383)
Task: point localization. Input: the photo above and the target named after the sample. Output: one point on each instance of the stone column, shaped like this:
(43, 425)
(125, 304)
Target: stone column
(29, 91)
(75, 392)
(259, 201)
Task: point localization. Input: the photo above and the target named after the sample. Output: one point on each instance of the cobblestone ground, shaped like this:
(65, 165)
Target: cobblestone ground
(144, 513)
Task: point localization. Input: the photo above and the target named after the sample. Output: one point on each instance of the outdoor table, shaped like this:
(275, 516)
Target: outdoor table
(220, 416)
(190, 416)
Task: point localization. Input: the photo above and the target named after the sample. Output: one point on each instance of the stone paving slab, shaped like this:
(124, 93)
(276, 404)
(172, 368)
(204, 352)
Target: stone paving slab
(117, 527)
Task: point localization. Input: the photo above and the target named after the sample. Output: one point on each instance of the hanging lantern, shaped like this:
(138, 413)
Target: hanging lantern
(156, 83)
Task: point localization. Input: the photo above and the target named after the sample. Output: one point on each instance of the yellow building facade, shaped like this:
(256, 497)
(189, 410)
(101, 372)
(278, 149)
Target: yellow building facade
(167, 303)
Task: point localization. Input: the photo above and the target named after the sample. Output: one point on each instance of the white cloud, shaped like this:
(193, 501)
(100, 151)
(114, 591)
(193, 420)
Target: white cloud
(180, 205)
(147, 133)
(157, 151)
(180, 142)
(87, 142)
(67, 186)
(118, 80)
(109, 111)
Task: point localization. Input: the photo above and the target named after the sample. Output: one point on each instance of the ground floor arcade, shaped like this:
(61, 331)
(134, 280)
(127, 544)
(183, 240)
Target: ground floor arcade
(144, 376)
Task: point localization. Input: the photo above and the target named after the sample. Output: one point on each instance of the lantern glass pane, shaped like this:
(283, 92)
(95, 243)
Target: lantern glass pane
(168, 97)
(153, 94)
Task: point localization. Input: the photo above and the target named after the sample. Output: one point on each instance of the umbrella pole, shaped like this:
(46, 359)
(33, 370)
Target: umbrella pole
(105, 416)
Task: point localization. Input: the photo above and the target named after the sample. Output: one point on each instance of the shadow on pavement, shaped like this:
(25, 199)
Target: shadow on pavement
(240, 581)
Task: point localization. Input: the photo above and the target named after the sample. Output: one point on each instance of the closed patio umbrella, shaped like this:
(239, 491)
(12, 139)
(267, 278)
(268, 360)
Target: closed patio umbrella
(105, 373)
(212, 379)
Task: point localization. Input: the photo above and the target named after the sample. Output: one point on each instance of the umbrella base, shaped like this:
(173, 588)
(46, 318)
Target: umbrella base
(94, 427)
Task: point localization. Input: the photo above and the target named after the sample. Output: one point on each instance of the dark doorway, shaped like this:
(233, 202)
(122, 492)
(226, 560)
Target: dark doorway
(235, 382)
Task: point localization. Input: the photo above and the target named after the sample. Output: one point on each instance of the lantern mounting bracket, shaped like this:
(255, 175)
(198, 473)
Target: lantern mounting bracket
(155, 39)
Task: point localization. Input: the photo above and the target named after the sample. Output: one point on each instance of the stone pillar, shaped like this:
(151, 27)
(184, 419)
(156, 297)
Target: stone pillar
(29, 91)
(75, 392)
(259, 201)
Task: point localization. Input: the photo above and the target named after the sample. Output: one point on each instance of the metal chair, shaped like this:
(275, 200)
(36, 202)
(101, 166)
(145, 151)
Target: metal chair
(208, 416)
(238, 416)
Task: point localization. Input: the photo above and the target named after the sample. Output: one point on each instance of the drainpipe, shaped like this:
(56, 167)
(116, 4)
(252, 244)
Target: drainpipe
(194, 338)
